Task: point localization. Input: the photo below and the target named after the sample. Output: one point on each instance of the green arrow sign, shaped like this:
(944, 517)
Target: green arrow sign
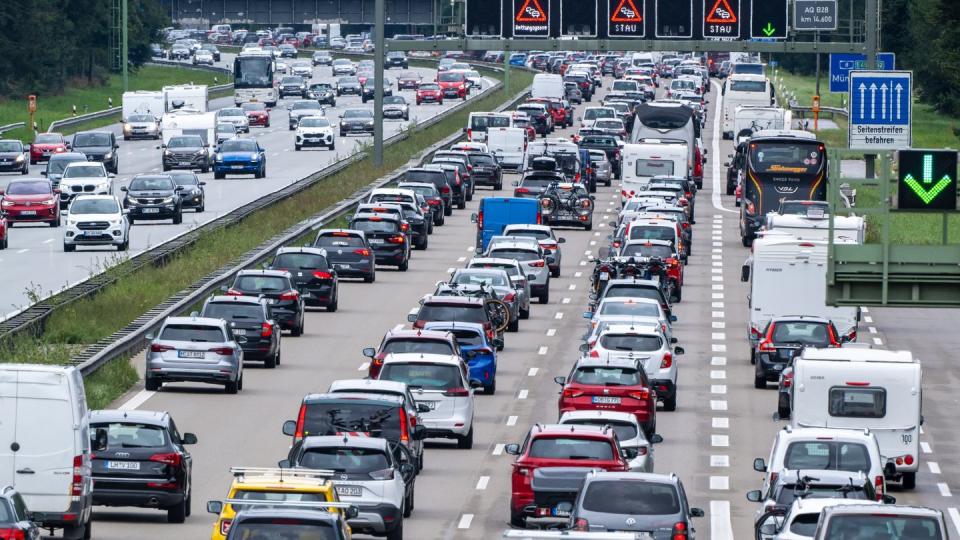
(926, 195)
(927, 180)
(769, 30)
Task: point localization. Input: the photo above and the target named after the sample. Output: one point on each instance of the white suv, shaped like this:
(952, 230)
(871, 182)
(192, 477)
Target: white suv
(96, 220)
(84, 178)
(314, 131)
(443, 384)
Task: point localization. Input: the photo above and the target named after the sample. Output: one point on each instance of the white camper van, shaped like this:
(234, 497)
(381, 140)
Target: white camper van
(45, 444)
(859, 387)
(189, 123)
(739, 90)
(648, 158)
(186, 96)
(508, 144)
(143, 102)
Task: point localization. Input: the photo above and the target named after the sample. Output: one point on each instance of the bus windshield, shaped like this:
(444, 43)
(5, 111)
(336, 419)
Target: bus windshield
(253, 72)
(786, 157)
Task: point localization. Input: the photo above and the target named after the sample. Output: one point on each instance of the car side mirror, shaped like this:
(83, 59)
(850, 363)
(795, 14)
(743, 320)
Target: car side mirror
(673, 318)
(189, 438)
(194, 313)
(561, 240)
(290, 428)
(515, 183)
(412, 317)
(203, 183)
(745, 273)
(759, 465)
(678, 350)
(769, 528)
(423, 408)
(123, 188)
(587, 315)
(612, 224)
(513, 449)
(551, 260)
(150, 337)
(369, 352)
(696, 512)
(161, 146)
(43, 173)
(406, 469)
(111, 175)
(352, 512)
(471, 354)
(476, 383)
(656, 438)
(214, 507)
(584, 348)
(754, 496)
(284, 464)
(560, 379)
(474, 218)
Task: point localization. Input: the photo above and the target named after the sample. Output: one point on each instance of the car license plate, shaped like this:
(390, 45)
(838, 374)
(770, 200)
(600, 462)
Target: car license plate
(778, 367)
(191, 354)
(604, 276)
(184, 163)
(239, 331)
(342, 266)
(375, 240)
(28, 213)
(606, 400)
(123, 465)
(236, 166)
(349, 491)
(151, 210)
(557, 512)
(432, 405)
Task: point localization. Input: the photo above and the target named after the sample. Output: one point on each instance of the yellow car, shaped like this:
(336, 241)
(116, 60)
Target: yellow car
(265, 484)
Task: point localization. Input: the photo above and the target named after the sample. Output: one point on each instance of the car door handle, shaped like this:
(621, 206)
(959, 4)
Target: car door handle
(25, 471)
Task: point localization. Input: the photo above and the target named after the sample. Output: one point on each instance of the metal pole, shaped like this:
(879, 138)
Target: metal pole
(870, 46)
(506, 68)
(125, 54)
(378, 55)
(816, 112)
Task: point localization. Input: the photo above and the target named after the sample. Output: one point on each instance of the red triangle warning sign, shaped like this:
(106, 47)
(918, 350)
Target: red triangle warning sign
(531, 12)
(626, 12)
(722, 13)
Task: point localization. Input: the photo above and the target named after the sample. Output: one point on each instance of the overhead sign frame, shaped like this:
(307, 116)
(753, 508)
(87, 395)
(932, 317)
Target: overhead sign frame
(466, 18)
(656, 21)
(530, 12)
(815, 15)
(712, 18)
(626, 26)
(884, 124)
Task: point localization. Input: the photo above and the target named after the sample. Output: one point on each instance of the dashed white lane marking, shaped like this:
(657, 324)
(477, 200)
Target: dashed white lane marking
(565, 301)
(718, 347)
(533, 372)
(925, 447)
(48, 240)
(867, 319)
(718, 389)
(461, 259)
(717, 256)
(364, 366)
(578, 274)
(718, 404)
(717, 296)
(877, 341)
(717, 286)
(873, 329)
(23, 251)
(865, 309)
(719, 461)
(944, 489)
(718, 315)
(587, 253)
(718, 305)
(716, 270)
(572, 287)
(719, 324)
(523, 394)
(720, 526)
(718, 361)
(934, 467)
(542, 351)
(717, 250)
(465, 521)
(482, 482)
(720, 483)
(398, 327)
(450, 270)
(720, 422)
(718, 374)
(497, 449)
(718, 263)
(471, 248)
(716, 278)
(512, 420)
(137, 400)
(718, 336)
(720, 440)
(559, 315)
(551, 332)
(718, 244)
(583, 263)
(593, 242)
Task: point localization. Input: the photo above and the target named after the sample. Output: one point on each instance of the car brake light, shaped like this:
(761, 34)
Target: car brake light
(404, 227)
(234, 292)
(581, 525)
(398, 239)
(363, 252)
(223, 351)
(537, 264)
(319, 274)
(510, 297)
(301, 417)
(642, 394)
(679, 531)
(667, 361)
(457, 392)
(878, 486)
(266, 329)
(483, 350)
(766, 346)
(434, 202)
(404, 431)
(572, 392)
(480, 219)
(12, 534)
(469, 134)
(594, 354)
(76, 487)
(225, 526)
(857, 383)
(521, 190)
(156, 347)
(172, 459)
(290, 295)
(788, 379)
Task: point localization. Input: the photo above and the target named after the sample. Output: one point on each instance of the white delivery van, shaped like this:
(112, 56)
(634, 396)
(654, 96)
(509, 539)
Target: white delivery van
(508, 144)
(186, 96)
(547, 85)
(741, 90)
(750, 119)
(479, 122)
(187, 122)
(859, 387)
(647, 158)
(143, 102)
(45, 444)
(788, 276)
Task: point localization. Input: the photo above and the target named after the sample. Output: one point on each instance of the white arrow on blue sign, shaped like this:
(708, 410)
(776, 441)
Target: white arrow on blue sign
(880, 110)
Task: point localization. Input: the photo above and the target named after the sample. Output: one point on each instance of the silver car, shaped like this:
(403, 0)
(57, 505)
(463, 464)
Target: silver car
(545, 237)
(141, 126)
(194, 349)
(529, 253)
(637, 449)
(442, 383)
(626, 310)
(235, 116)
(518, 277)
(601, 166)
(499, 281)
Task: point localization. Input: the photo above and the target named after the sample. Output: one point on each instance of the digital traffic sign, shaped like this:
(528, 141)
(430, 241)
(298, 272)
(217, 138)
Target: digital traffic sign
(531, 18)
(768, 19)
(927, 180)
(484, 19)
(721, 19)
(578, 18)
(674, 19)
(626, 18)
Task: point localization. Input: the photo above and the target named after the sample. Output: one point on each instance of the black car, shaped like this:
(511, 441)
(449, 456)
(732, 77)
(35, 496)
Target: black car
(486, 170)
(356, 121)
(301, 108)
(584, 83)
(418, 224)
(534, 183)
(179, 52)
(608, 144)
(249, 318)
(370, 87)
(14, 517)
(784, 338)
(285, 520)
(431, 195)
(463, 161)
(14, 157)
(322, 58)
(292, 85)
(438, 178)
(99, 146)
(139, 458)
(396, 59)
(186, 152)
(311, 273)
(349, 85)
(456, 186)
(57, 163)
(408, 81)
(348, 253)
(286, 303)
(192, 194)
(571, 91)
(386, 237)
(323, 92)
(153, 196)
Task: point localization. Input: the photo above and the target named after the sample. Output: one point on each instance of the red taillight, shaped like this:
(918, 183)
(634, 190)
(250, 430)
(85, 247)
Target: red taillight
(223, 351)
(300, 420)
(480, 219)
(404, 431)
(234, 292)
(404, 227)
(12, 534)
(363, 252)
(537, 264)
(581, 525)
(290, 295)
(667, 361)
(510, 297)
(642, 394)
(878, 486)
(788, 379)
(572, 392)
(398, 239)
(156, 347)
(445, 188)
(457, 392)
(322, 275)
(469, 134)
(225, 526)
(679, 531)
(483, 350)
(755, 332)
(576, 177)
(549, 247)
(594, 354)
(266, 329)
(434, 202)
(766, 346)
(697, 163)
(521, 190)
(76, 486)
(172, 459)
(683, 202)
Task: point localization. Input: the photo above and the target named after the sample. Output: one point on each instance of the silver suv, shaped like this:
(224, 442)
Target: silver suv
(194, 349)
(545, 237)
(518, 277)
(636, 447)
(529, 253)
(497, 280)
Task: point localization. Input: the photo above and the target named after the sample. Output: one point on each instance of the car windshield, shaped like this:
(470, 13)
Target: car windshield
(786, 157)
(238, 145)
(647, 250)
(129, 435)
(94, 206)
(629, 309)
(477, 278)
(378, 419)
(423, 375)
(829, 455)
(192, 332)
(483, 160)
(261, 283)
(606, 376)
(261, 499)
(135, 118)
(185, 142)
(632, 498)
(571, 448)
(459, 313)
(342, 62)
(450, 77)
(625, 431)
(417, 346)
(357, 113)
(226, 128)
(339, 241)
(306, 105)
(232, 111)
(632, 292)
(29, 187)
(882, 524)
(55, 138)
(254, 106)
(85, 171)
(148, 183)
(394, 100)
(292, 80)
(593, 114)
(630, 342)
(314, 122)
(804, 208)
(747, 86)
(374, 225)
(301, 529)
(806, 333)
(517, 254)
(56, 166)
(530, 233)
(301, 261)
(90, 139)
(233, 311)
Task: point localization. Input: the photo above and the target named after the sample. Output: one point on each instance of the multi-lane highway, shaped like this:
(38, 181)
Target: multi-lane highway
(35, 262)
(720, 425)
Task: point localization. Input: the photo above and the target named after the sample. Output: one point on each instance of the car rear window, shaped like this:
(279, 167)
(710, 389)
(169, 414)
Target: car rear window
(233, 311)
(631, 498)
(424, 176)
(417, 346)
(301, 529)
(606, 376)
(379, 420)
(374, 226)
(447, 312)
(858, 402)
(129, 435)
(192, 332)
(624, 430)
(348, 460)
(264, 498)
(789, 493)
(653, 167)
(629, 309)
(632, 292)
(827, 455)
(6, 512)
(516, 254)
(805, 333)
(262, 283)
(630, 342)
(303, 261)
(643, 250)
(571, 448)
(423, 375)
(337, 241)
(885, 525)
(485, 278)
(653, 232)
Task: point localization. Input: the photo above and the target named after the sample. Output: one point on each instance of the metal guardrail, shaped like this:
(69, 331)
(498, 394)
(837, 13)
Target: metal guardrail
(8, 127)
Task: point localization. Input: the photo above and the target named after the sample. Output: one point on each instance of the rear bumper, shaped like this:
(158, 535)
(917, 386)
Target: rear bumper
(390, 255)
(77, 514)
(146, 498)
(354, 269)
(376, 519)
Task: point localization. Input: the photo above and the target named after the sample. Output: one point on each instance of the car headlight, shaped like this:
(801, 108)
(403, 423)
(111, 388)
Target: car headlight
(19, 158)
(71, 222)
(126, 127)
(219, 157)
(256, 157)
(167, 153)
(167, 200)
(201, 153)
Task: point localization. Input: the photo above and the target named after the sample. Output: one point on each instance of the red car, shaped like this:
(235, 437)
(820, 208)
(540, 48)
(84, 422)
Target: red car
(610, 385)
(453, 84)
(409, 341)
(30, 200)
(558, 446)
(45, 145)
(429, 92)
(521, 120)
(557, 111)
(363, 76)
(257, 114)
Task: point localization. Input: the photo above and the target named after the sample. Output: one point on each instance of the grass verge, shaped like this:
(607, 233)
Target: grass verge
(86, 321)
(90, 99)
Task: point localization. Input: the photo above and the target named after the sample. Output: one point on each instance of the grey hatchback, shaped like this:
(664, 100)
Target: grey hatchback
(634, 502)
(194, 349)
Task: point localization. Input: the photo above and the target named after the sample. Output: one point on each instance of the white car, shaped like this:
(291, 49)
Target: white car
(203, 57)
(342, 66)
(800, 521)
(627, 310)
(314, 131)
(282, 67)
(545, 237)
(235, 116)
(442, 382)
(96, 220)
(473, 77)
(84, 178)
(639, 449)
(303, 69)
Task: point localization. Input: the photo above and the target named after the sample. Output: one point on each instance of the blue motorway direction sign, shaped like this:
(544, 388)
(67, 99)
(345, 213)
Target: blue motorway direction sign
(880, 110)
(841, 64)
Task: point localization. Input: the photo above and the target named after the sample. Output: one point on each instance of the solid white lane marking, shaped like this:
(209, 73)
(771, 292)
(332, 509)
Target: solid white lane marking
(364, 366)
(944, 489)
(565, 301)
(720, 422)
(719, 461)
(720, 483)
(542, 350)
(721, 527)
(482, 482)
(718, 361)
(498, 449)
(718, 389)
(877, 341)
(512, 420)
(718, 204)
(551, 332)
(718, 374)
(720, 440)
(523, 394)
(559, 315)
(934, 467)
(137, 400)
(925, 447)
(465, 521)
(718, 336)
(533, 372)
(718, 404)
(955, 518)
(48, 240)
(572, 287)
(398, 327)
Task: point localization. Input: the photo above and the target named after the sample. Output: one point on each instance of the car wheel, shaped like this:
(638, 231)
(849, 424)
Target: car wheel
(150, 384)
(753, 356)
(67, 248)
(555, 272)
(517, 520)
(670, 403)
(524, 313)
(298, 330)
(178, 217)
(177, 513)
(218, 175)
(448, 210)
(759, 381)
(332, 306)
(423, 244)
(370, 278)
(545, 297)
(677, 294)
(397, 532)
(297, 147)
(56, 222)
(270, 362)
(466, 442)
(463, 203)
(408, 505)
(514, 325)
(492, 389)
(404, 266)
(123, 246)
(231, 387)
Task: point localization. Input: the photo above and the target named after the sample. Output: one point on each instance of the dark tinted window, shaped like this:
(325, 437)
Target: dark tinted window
(92, 139)
(348, 460)
(336, 241)
(518, 254)
(303, 261)
(786, 158)
(184, 179)
(643, 250)
(130, 435)
(422, 346)
(233, 311)
(468, 337)
(191, 332)
(806, 333)
(259, 283)
(461, 313)
(630, 342)
(283, 528)
(426, 376)
(571, 448)
(424, 176)
(652, 232)
(94, 206)
(606, 376)
(238, 145)
(832, 455)
(6, 512)
(333, 418)
(631, 498)
(38, 187)
(624, 431)
(372, 226)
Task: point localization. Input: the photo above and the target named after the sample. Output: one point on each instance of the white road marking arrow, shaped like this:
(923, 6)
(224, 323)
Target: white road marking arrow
(863, 90)
(899, 89)
(873, 100)
(883, 102)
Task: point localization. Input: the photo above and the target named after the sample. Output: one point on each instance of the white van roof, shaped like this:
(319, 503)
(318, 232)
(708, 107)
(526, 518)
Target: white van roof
(748, 77)
(859, 354)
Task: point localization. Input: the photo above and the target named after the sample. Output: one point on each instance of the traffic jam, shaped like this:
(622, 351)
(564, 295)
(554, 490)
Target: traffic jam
(549, 383)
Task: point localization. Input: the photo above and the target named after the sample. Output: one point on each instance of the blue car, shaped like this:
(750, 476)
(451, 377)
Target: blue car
(480, 352)
(240, 156)
(518, 59)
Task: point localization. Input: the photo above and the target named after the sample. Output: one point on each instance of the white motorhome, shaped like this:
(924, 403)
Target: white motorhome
(143, 102)
(739, 90)
(186, 96)
(648, 158)
(749, 119)
(814, 224)
(788, 276)
(547, 85)
(188, 122)
(859, 387)
(45, 444)
(479, 122)
(508, 144)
